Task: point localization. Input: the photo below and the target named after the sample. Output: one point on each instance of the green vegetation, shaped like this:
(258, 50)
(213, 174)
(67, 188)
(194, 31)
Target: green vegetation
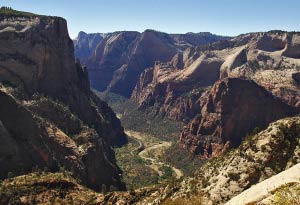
(288, 194)
(134, 119)
(158, 129)
(167, 172)
(56, 113)
(103, 189)
(182, 159)
(254, 64)
(250, 136)
(290, 131)
(233, 176)
(188, 200)
(135, 172)
(9, 12)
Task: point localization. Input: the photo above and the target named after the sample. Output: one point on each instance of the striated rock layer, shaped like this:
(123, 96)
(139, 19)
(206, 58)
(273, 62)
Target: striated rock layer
(118, 59)
(270, 59)
(233, 108)
(48, 115)
(85, 44)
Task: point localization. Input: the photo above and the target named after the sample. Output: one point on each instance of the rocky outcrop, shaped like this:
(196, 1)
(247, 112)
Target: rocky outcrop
(263, 192)
(121, 57)
(256, 160)
(61, 122)
(232, 110)
(46, 188)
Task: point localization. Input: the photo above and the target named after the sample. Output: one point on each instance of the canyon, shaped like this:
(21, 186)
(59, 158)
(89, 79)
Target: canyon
(115, 62)
(208, 119)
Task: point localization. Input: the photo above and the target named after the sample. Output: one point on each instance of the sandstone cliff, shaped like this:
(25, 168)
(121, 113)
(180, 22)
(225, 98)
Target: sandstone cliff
(266, 58)
(120, 57)
(85, 44)
(233, 108)
(49, 116)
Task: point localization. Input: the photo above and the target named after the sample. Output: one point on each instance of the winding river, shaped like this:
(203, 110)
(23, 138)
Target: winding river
(145, 147)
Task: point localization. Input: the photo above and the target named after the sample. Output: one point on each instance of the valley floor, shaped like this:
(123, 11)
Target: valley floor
(152, 151)
(142, 161)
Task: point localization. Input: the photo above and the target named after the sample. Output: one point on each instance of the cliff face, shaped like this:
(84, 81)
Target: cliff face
(262, 57)
(232, 110)
(43, 87)
(85, 44)
(157, 92)
(120, 57)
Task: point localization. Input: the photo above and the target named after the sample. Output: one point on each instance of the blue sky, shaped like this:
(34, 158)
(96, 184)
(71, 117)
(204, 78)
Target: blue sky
(224, 17)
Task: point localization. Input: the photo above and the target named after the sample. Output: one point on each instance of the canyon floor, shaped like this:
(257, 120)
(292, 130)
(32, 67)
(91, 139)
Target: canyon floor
(143, 160)
(151, 152)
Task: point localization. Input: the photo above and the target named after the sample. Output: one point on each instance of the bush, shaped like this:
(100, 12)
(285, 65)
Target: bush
(234, 176)
(193, 200)
(287, 195)
(9, 12)
(103, 189)
(167, 172)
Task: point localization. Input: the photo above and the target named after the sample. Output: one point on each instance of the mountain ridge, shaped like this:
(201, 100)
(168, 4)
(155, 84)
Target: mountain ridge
(136, 51)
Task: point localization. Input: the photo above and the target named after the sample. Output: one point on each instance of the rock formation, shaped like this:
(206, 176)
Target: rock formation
(85, 44)
(120, 57)
(266, 58)
(258, 158)
(233, 109)
(49, 116)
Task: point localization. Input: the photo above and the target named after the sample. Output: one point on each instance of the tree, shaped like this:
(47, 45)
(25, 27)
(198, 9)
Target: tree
(112, 188)
(103, 189)
(10, 175)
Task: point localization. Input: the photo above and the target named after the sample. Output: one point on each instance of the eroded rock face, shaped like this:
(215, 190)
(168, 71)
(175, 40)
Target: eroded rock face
(174, 99)
(85, 44)
(232, 110)
(120, 57)
(270, 59)
(37, 59)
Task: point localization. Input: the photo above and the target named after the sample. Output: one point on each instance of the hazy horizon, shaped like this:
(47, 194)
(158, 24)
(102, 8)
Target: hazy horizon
(228, 19)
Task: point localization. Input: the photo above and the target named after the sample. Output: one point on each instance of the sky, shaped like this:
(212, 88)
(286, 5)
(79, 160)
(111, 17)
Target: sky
(223, 17)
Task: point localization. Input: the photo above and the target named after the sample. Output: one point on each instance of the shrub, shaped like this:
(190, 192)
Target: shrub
(10, 175)
(289, 194)
(233, 176)
(9, 12)
(193, 200)
(103, 189)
